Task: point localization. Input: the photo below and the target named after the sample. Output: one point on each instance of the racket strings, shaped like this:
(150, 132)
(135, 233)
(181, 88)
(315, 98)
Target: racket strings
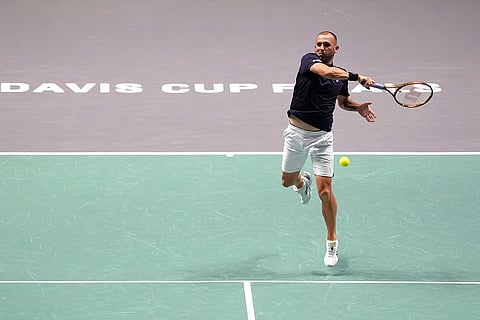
(414, 95)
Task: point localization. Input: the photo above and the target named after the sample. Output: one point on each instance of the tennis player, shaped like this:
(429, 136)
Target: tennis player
(318, 86)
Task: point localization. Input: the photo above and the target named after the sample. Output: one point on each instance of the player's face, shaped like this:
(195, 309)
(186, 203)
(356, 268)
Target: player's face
(326, 47)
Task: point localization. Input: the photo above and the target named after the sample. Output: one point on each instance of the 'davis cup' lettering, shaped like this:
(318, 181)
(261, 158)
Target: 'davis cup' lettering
(168, 88)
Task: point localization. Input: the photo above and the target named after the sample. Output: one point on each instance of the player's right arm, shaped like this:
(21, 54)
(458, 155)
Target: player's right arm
(335, 73)
(327, 72)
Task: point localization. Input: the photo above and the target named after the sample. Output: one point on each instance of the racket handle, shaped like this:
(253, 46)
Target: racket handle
(379, 86)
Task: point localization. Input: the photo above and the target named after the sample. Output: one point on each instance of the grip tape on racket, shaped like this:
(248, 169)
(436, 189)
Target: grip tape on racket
(379, 86)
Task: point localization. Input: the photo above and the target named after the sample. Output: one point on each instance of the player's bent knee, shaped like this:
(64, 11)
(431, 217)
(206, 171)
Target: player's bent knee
(289, 179)
(286, 183)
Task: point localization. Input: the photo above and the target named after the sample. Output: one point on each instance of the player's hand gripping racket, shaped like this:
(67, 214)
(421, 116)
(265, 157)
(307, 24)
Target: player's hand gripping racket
(411, 94)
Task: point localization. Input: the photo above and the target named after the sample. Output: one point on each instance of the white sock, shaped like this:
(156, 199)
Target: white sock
(332, 243)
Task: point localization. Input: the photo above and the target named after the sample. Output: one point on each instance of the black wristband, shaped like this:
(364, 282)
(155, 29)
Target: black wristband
(352, 76)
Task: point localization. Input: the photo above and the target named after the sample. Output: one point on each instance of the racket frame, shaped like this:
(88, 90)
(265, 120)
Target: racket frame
(399, 86)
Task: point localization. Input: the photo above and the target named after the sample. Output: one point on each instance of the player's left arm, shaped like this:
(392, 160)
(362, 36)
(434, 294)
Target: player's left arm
(363, 109)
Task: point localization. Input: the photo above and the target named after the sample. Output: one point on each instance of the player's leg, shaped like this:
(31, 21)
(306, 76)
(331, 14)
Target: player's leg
(329, 205)
(294, 157)
(292, 179)
(329, 212)
(323, 165)
(301, 184)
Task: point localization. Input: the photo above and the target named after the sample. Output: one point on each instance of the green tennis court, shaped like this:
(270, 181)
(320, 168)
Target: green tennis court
(216, 236)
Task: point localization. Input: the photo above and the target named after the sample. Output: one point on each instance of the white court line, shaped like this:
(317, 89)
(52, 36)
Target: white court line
(247, 288)
(231, 153)
(358, 282)
(100, 153)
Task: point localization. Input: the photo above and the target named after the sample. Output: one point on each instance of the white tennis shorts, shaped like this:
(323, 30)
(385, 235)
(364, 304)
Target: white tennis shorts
(299, 143)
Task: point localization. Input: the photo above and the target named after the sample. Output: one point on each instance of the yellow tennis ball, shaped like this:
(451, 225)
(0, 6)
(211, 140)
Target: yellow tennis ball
(344, 161)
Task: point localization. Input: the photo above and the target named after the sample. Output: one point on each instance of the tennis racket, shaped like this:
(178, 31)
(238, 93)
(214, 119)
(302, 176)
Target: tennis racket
(411, 94)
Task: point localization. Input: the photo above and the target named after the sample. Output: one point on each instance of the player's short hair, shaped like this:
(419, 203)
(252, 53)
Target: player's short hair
(329, 32)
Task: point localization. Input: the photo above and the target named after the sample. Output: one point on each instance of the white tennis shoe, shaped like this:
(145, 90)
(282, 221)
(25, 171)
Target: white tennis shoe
(331, 256)
(305, 191)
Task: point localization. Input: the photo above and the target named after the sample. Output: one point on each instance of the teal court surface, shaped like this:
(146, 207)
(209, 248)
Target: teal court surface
(216, 236)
